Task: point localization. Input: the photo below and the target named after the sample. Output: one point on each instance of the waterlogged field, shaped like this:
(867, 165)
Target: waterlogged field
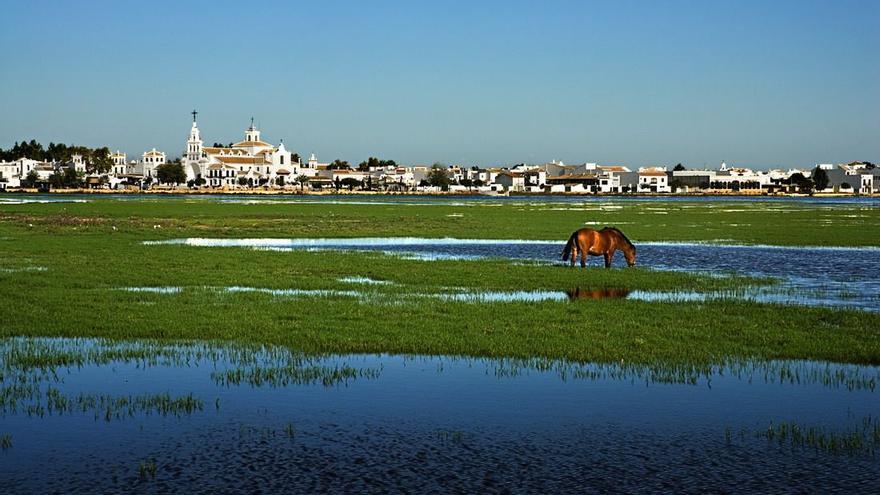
(97, 416)
(376, 344)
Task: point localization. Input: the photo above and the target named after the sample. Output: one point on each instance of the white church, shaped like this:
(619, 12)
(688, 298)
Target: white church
(252, 159)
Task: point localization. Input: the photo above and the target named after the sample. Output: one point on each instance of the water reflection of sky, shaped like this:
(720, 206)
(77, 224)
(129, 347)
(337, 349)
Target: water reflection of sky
(419, 415)
(825, 276)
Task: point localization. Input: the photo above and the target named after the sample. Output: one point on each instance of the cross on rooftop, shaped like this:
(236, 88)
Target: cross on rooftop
(194, 115)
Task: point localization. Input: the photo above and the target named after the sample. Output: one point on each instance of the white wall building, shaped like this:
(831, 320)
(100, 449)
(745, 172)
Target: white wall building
(119, 167)
(653, 179)
(79, 163)
(252, 158)
(150, 160)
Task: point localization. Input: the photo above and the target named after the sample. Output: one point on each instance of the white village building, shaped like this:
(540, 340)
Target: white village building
(150, 161)
(252, 159)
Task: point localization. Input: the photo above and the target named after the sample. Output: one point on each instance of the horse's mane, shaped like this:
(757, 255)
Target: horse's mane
(625, 238)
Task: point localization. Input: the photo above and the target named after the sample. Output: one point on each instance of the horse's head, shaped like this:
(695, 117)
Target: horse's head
(630, 255)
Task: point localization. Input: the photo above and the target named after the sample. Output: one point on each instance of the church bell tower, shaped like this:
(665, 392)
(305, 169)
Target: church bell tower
(194, 143)
(252, 134)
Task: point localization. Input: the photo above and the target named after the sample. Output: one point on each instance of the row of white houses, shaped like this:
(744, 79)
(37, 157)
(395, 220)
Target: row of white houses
(253, 162)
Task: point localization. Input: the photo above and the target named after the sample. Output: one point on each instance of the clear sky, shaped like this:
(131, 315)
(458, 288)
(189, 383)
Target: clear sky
(755, 83)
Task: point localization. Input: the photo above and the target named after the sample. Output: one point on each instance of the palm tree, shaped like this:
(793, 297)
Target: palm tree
(302, 179)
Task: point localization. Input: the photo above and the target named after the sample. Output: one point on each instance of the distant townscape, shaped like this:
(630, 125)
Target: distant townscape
(255, 165)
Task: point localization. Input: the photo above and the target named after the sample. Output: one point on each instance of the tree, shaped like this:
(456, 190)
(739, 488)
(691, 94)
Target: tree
(301, 180)
(678, 168)
(279, 181)
(56, 180)
(373, 163)
(171, 173)
(294, 158)
(242, 181)
(804, 185)
(820, 178)
(72, 178)
(338, 165)
(31, 179)
(351, 183)
(438, 177)
(337, 183)
(368, 163)
(68, 178)
(100, 161)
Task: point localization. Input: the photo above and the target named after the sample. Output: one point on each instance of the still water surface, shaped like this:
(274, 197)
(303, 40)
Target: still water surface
(269, 419)
(814, 276)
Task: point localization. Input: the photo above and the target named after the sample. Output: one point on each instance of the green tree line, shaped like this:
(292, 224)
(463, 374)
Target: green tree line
(97, 159)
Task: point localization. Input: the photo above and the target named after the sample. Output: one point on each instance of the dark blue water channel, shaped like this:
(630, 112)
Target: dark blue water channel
(815, 276)
(271, 420)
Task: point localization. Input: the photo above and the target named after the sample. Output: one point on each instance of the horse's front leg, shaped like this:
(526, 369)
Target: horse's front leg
(609, 256)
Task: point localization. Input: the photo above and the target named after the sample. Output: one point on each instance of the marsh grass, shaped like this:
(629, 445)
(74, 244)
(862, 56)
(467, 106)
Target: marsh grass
(769, 222)
(77, 298)
(258, 376)
(862, 439)
(33, 371)
(108, 407)
(147, 469)
(453, 436)
(289, 430)
(5, 441)
(230, 364)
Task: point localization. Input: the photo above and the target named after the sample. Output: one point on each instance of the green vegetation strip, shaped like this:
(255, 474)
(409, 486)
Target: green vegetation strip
(776, 223)
(90, 250)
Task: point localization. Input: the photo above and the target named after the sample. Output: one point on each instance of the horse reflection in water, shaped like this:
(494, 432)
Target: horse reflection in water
(603, 242)
(578, 293)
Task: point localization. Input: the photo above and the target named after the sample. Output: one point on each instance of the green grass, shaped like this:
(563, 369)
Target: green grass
(147, 469)
(863, 439)
(779, 223)
(87, 260)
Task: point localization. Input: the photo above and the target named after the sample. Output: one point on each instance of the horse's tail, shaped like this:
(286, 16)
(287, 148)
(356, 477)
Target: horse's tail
(566, 251)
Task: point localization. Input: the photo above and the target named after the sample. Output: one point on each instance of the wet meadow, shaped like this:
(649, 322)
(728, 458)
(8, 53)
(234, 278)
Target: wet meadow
(378, 343)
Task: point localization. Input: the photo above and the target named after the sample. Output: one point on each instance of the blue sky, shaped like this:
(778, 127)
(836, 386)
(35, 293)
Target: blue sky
(767, 83)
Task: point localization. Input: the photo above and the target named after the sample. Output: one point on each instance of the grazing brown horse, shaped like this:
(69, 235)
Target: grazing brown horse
(603, 242)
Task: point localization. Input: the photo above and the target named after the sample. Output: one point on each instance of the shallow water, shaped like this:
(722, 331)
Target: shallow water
(21, 199)
(268, 419)
(815, 276)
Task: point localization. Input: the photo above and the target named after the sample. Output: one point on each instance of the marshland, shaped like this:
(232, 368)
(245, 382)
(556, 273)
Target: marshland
(153, 343)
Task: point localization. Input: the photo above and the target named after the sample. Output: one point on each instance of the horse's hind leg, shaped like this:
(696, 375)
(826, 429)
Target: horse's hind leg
(574, 255)
(584, 258)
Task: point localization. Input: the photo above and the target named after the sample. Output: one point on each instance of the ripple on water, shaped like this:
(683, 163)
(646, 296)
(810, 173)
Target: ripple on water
(380, 422)
(811, 276)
